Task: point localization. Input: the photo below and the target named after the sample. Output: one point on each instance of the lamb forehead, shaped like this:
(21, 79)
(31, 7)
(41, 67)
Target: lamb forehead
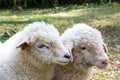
(88, 34)
(83, 33)
(41, 27)
(94, 41)
(41, 30)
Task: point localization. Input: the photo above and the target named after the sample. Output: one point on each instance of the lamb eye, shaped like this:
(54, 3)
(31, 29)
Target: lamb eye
(82, 48)
(41, 46)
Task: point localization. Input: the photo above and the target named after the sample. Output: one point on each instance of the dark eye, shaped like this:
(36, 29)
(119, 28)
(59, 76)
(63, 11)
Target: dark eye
(41, 46)
(82, 48)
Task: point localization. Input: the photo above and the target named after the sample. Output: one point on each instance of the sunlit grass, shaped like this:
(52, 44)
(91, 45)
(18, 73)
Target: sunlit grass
(105, 18)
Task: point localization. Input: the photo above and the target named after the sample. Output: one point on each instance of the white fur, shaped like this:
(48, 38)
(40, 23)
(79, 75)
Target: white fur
(23, 58)
(86, 45)
(0, 44)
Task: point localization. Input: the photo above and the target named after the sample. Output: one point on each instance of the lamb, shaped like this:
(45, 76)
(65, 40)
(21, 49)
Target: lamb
(88, 50)
(32, 53)
(0, 43)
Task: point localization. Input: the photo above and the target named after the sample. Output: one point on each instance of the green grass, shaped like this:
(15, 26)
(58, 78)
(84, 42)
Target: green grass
(104, 18)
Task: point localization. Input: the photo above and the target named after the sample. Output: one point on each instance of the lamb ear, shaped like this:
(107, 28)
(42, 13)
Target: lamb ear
(105, 47)
(23, 45)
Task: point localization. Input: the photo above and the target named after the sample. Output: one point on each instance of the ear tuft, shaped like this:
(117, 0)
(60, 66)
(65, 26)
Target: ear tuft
(23, 45)
(105, 48)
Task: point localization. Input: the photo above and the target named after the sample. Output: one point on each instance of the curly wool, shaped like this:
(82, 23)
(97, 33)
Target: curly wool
(25, 63)
(77, 36)
(83, 33)
(0, 43)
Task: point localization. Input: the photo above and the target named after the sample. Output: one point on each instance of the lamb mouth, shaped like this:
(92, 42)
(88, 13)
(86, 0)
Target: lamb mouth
(102, 67)
(63, 62)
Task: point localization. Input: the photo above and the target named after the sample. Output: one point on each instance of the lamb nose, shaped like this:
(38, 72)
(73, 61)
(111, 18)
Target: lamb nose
(67, 56)
(105, 62)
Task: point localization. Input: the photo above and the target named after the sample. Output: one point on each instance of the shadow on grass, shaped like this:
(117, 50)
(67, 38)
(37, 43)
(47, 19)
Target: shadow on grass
(111, 34)
(25, 22)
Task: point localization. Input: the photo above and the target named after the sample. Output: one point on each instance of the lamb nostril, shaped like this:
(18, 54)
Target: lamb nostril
(105, 62)
(67, 56)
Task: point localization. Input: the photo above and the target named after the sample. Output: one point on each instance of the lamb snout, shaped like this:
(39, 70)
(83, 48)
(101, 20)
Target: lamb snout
(63, 58)
(103, 62)
(67, 56)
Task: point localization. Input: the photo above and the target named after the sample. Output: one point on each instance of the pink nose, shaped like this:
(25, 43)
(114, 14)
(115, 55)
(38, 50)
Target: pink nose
(105, 62)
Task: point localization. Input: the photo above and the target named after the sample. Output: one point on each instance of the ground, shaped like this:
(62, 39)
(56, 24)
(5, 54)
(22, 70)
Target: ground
(106, 18)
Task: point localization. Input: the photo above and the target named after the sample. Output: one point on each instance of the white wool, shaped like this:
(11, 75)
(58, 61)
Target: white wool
(30, 32)
(83, 33)
(41, 30)
(1, 44)
(21, 56)
(86, 45)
